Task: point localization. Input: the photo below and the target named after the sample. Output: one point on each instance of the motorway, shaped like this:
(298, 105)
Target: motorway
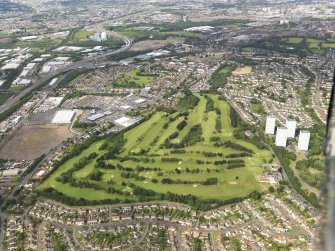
(87, 63)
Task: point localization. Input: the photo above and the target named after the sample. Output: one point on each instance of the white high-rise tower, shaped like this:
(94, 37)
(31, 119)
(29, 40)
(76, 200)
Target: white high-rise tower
(291, 126)
(270, 125)
(281, 136)
(303, 142)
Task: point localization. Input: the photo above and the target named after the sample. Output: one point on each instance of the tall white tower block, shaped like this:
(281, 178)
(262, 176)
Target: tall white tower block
(291, 126)
(103, 36)
(281, 136)
(270, 125)
(303, 142)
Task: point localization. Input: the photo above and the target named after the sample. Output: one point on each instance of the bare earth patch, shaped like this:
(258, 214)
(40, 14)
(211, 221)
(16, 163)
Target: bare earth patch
(148, 45)
(242, 70)
(31, 141)
(156, 44)
(232, 182)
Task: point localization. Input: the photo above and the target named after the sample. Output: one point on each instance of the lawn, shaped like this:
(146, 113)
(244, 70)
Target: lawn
(295, 40)
(147, 162)
(134, 79)
(42, 45)
(328, 45)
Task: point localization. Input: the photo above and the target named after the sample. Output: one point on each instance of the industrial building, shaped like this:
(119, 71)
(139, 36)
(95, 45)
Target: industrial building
(270, 125)
(291, 126)
(96, 116)
(303, 142)
(63, 117)
(281, 136)
(126, 122)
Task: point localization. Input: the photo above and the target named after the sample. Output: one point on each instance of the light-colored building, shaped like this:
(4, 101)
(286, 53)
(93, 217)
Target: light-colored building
(63, 117)
(281, 136)
(303, 142)
(270, 125)
(103, 36)
(291, 126)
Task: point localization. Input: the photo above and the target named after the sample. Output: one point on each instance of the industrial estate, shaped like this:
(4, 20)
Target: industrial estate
(163, 125)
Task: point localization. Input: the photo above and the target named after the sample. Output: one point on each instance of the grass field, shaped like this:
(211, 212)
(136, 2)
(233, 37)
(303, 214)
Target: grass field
(301, 46)
(133, 79)
(191, 166)
(81, 38)
(295, 40)
(4, 97)
(42, 45)
(258, 107)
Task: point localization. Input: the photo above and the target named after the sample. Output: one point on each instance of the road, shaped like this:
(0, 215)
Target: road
(285, 174)
(144, 234)
(86, 63)
(25, 180)
(304, 184)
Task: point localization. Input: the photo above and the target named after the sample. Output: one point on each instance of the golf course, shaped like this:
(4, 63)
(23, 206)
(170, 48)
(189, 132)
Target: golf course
(191, 151)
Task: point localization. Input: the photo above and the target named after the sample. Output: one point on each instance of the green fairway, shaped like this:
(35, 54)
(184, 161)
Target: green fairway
(328, 45)
(182, 153)
(295, 40)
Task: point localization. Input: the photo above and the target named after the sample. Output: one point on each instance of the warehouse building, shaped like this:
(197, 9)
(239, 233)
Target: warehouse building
(63, 117)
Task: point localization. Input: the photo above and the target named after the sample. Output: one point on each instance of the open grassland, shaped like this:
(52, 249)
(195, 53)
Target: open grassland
(4, 97)
(41, 45)
(295, 40)
(191, 151)
(81, 38)
(134, 79)
(301, 46)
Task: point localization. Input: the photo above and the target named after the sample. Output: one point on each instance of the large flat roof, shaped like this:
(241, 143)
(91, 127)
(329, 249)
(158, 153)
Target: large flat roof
(63, 117)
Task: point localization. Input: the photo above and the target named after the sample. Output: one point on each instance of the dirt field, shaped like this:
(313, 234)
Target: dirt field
(242, 70)
(148, 45)
(31, 141)
(156, 44)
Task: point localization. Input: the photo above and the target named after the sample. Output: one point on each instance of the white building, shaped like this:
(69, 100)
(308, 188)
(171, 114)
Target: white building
(270, 125)
(103, 36)
(281, 136)
(303, 142)
(63, 117)
(291, 126)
